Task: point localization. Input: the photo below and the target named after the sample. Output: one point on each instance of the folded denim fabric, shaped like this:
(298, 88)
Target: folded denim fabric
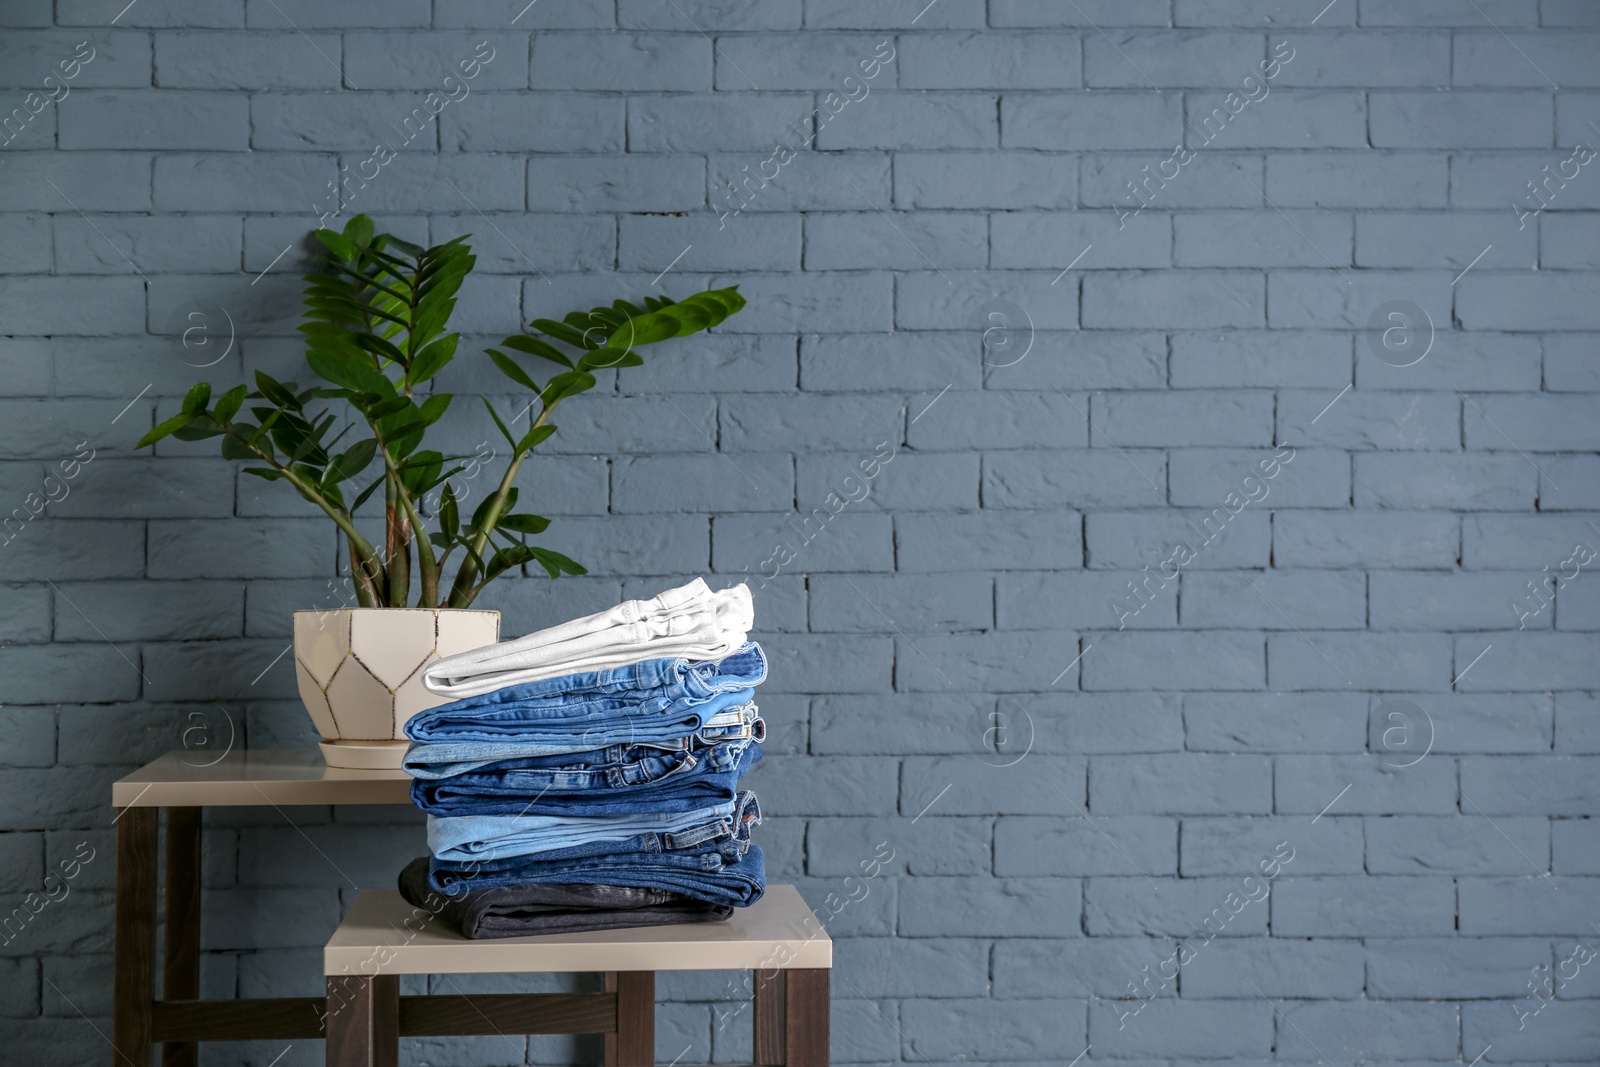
(739, 722)
(484, 837)
(731, 829)
(721, 873)
(523, 910)
(684, 782)
(657, 700)
(690, 622)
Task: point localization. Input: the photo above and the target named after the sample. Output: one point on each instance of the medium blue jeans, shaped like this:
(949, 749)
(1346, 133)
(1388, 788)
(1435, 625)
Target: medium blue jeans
(661, 698)
(681, 782)
(733, 722)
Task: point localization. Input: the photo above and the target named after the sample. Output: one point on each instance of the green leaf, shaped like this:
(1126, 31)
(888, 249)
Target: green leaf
(481, 513)
(495, 415)
(601, 317)
(432, 359)
(561, 332)
(233, 448)
(534, 437)
(555, 564)
(656, 326)
(280, 394)
(449, 512)
(337, 243)
(421, 471)
(404, 246)
(384, 408)
(562, 386)
(199, 427)
(348, 370)
(368, 491)
(264, 472)
(359, 230)
(172, 425)
(511, 369)
(609, 359)
(199, 395)
(378, 347)
(228, 404)
(261, 438)
(506, 558)
(522, 342)
(299, 442)
(527, 524)
(433, 408)
(352, 461)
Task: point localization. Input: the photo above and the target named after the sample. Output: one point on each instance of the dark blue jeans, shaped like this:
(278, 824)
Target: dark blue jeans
(657, 700)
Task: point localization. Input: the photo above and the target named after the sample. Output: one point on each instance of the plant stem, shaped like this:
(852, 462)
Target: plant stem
(360, 550)
(461, 591)
(367, 594)
(397, 538)
(427, 566)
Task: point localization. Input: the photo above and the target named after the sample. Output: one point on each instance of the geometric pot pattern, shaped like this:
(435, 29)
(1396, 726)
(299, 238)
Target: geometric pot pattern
(360, 669)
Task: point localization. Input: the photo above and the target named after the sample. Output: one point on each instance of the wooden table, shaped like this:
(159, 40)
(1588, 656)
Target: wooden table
(791, 990)
(383, 936)
(174, 782)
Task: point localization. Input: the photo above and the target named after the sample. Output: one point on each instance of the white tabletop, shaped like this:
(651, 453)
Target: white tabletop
(255, 778)
(382, 934)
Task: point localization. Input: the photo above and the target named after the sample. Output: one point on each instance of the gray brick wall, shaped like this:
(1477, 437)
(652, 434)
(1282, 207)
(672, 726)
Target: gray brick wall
(1190, 747)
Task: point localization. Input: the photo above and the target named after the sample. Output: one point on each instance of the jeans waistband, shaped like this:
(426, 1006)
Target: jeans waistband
(736, 827)
(732, 724)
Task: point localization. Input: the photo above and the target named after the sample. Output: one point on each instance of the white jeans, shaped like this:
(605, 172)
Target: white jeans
(691, 622)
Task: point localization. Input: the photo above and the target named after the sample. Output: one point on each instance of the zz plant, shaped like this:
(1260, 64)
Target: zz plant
(375, 318)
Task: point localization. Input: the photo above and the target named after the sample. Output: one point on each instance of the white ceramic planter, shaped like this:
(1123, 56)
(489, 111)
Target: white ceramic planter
(360, 673)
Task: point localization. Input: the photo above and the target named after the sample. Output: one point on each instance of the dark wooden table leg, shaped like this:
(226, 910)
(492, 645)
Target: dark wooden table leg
(363, 1021)
(770, 1012)
(805, 1024)
(134, 970)
(181, 967)
(634, 1043)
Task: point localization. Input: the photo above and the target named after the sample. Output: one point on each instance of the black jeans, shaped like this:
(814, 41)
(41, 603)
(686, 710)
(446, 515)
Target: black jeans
(520, 910)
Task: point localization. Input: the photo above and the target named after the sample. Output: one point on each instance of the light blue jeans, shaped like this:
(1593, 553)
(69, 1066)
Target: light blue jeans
(489, 837)
(733, 829)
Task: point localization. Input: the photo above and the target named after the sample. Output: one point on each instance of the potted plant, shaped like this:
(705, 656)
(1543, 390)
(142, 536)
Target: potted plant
(376, 312)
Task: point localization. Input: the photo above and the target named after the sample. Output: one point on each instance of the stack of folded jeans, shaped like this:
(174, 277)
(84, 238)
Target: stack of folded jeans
(587, 776)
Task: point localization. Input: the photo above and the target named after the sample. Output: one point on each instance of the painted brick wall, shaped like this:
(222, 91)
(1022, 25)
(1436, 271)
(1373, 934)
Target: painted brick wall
(1198, 652)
